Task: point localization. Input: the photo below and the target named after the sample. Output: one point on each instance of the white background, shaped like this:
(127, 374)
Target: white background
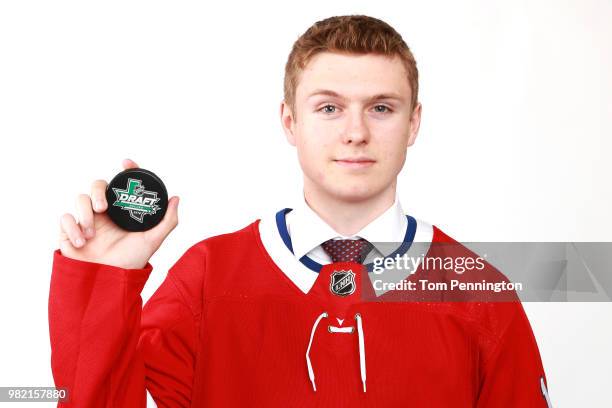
(514, 144)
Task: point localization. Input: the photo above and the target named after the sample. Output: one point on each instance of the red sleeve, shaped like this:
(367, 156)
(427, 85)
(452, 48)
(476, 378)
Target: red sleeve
(107, 349)
(512, 374)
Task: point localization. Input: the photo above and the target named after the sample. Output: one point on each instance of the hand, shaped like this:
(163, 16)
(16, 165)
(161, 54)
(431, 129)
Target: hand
(96, 238)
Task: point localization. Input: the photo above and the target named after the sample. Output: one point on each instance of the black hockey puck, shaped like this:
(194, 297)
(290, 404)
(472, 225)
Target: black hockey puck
(137, 199)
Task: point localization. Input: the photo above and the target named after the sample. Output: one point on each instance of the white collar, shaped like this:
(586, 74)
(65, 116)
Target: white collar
(308, 230)
(303, 277)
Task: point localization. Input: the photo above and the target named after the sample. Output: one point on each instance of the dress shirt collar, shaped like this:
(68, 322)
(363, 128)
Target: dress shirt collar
(307, 230)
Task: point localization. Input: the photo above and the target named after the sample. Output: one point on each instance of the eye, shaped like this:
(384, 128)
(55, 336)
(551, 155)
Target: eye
(328, 109)
(385, 109)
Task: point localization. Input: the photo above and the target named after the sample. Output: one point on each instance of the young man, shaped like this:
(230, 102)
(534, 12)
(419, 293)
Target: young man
(277, 313)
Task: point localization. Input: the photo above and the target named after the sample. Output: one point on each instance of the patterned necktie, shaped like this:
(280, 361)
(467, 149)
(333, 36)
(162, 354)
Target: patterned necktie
(347, 250)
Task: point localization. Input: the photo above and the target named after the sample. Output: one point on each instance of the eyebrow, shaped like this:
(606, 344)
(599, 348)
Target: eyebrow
(376, 97)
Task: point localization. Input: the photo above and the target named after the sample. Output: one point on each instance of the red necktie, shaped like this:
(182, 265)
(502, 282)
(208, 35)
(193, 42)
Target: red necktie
(347, 250)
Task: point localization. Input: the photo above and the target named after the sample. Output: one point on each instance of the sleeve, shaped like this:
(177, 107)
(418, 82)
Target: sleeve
(512, 374)
(106, 349)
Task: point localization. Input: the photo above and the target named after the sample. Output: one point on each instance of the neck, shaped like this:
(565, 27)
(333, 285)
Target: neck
(348, 217)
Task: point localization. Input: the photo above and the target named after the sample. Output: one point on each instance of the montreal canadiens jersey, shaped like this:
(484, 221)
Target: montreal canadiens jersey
(239, 321)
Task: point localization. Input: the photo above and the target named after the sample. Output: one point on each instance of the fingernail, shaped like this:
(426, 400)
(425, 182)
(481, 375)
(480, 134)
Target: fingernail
(79, 242)
(99, 205)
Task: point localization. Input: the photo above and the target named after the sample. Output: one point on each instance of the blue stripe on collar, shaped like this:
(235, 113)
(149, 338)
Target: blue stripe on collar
(281, 225)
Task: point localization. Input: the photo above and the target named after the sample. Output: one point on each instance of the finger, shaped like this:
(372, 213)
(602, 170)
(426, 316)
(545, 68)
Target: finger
(64, 242)
(129, 164)
(71, 228)
(158, 233)
(86, 215)
(98, 195)
(63, 236)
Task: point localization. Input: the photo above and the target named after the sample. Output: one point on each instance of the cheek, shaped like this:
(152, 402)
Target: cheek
(394, 158)
(395, 132)
(393, 142)
(314, 140)
(313, 155)
(321, 132)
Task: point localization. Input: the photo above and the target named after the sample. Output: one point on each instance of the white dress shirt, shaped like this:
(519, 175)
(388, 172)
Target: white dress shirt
(308, 231)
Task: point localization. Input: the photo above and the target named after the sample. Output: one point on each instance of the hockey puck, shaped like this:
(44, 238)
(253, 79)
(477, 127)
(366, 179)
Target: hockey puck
(137, 199)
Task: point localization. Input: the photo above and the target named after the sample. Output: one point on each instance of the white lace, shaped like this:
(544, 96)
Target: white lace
(334, 329)
(362, 366)
(308, 363)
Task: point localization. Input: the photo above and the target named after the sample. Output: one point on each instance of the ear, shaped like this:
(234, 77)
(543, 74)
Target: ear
(415, 123)
(287, 122)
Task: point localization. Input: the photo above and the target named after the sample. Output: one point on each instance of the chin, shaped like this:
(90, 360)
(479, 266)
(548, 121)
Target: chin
(355, 192)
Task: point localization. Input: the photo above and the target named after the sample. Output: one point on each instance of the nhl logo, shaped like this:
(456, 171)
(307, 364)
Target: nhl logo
(342, 283)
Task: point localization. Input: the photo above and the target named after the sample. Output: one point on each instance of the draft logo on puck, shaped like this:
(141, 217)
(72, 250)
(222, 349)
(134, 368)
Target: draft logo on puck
(136, 200)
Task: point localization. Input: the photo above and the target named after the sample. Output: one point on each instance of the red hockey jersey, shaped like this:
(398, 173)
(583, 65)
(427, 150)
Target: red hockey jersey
(240, 322)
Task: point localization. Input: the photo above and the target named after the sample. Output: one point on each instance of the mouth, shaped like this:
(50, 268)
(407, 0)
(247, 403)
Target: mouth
(356, 162)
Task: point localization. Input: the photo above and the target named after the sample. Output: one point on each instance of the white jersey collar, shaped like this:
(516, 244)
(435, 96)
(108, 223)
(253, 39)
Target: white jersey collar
(297, 271)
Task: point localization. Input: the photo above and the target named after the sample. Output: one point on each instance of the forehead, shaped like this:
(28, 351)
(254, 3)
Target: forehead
(353, 75)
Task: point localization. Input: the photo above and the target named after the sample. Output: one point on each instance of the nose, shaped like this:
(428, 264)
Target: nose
(356, 130)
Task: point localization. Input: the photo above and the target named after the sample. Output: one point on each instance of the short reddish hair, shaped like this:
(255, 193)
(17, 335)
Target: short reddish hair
(355, 34)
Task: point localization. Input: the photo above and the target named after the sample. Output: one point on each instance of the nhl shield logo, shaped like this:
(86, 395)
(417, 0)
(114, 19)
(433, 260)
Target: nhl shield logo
(342, 283)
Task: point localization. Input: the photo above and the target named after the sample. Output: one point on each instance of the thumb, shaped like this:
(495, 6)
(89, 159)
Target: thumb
(168, 223)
